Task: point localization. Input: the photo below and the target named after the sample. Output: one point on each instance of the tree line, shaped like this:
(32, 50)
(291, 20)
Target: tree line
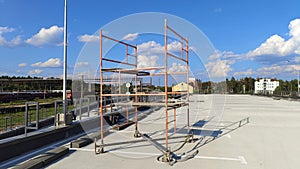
(241, 86)
(232, 86)
(22, 84)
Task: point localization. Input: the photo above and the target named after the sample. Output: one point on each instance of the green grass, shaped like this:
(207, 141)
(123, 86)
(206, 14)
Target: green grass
(22, 102)
(18, 118)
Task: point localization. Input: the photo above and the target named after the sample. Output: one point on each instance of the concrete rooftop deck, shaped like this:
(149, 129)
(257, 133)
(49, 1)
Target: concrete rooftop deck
(270, 140)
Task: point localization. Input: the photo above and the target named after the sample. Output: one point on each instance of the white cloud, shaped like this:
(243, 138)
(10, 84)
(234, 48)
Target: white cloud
(150, 48)
(227, 55)
(272, 46)
(69, 76)
(22, 65)
(82, 64)
(174, 46)
(277, 45)
(6, 29)
(12, 43)
(35, 72)
(154, 48)
(147, 61)
(244, 73)
(88, 38)
(177, 67)
(275, 70)
(216, 55)
(130, 36)
(15, 42)
(50, 36)
(52, 62)
(218, 68)
(151, 52)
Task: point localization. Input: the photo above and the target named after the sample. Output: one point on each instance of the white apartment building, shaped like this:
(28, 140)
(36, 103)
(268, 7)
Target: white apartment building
(266, 86)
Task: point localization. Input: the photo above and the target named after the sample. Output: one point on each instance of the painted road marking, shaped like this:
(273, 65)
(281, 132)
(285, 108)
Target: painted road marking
(82, 149)
(228, 135)
(135, 153)
(241, 159)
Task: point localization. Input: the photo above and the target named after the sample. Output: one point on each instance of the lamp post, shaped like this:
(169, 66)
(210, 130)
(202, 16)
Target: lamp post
(65, 64)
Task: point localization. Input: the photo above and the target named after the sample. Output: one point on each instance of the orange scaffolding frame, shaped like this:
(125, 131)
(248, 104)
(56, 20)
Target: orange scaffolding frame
(134, 70)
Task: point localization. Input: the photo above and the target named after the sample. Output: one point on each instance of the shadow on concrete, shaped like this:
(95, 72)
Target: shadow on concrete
(207, 136)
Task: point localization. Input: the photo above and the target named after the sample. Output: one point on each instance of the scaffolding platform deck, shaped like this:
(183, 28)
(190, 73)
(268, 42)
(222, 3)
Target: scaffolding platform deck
(162, 104)
(126, 71)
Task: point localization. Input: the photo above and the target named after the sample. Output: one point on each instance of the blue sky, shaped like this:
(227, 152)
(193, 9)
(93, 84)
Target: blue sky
(251, 38)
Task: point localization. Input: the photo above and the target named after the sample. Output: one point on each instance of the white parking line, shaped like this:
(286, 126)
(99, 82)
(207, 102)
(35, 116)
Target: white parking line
(228, 135)
(135, 153)
(82, 149)
(241, 159)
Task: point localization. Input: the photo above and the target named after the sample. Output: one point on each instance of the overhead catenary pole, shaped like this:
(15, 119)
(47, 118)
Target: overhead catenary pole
(65, 63)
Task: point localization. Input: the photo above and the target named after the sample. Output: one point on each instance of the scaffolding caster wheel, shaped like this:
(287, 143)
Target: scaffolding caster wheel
(190, 138)
(137, 134)
(167, 156)
(99, 149)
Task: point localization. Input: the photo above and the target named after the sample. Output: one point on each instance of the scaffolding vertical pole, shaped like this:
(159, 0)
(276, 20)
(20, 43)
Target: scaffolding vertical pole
(101, 83)
(126, 114)
(150, 83)
(136, 134)
(188, 89)
(126, 53)
(174, 120)
(166, 81)
(119, 83)
(181, 51)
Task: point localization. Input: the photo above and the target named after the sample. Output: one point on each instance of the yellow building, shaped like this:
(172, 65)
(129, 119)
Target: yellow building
(182, 87)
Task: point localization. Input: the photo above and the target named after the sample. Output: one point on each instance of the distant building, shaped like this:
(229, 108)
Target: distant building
(180, 87)
(265, 86)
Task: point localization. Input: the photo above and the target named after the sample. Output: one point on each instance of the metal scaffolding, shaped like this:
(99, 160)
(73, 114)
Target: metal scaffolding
(129, 65)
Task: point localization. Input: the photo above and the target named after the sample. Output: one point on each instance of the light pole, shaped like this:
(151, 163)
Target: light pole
(65, 64)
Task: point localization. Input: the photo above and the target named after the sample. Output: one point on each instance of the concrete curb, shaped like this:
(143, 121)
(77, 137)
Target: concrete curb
(43, 159)
(23, 145)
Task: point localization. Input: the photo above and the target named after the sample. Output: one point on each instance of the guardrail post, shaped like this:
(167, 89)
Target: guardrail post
(27, 105)
(80, 110)
(88, 107)
(5, 124)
